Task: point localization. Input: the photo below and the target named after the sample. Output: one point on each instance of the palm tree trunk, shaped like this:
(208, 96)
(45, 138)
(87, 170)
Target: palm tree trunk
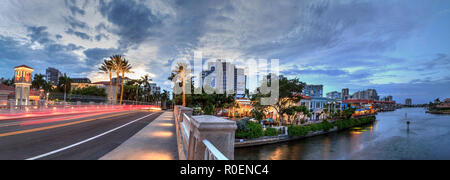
(117, 87)
(110, 88)
(184, 90)
(121, 91)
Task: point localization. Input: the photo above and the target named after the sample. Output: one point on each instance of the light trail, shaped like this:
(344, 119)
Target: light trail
(68, 110)
(87, 140)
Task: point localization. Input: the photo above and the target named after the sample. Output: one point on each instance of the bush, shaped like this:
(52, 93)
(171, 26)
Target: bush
(270, 132)
(296, 131)
(326, 126)
(255, 130)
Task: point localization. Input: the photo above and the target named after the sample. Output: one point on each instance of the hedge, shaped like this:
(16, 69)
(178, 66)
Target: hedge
(295, 131)
(271, 132)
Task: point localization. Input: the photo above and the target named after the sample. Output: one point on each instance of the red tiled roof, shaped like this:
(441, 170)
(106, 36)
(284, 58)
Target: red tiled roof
(6, 88)
(25, 66)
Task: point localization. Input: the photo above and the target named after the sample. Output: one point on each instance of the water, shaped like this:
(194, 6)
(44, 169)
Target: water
(387, 139)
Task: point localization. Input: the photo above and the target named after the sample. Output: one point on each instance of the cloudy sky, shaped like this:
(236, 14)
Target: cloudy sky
(401, 48)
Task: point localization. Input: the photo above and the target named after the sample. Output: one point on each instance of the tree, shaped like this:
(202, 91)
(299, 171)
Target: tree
(146, 82)
(107, 67)
(38, 81)
(289, 89)
(90, 91)
(117, 61)
(125, 68)
(180, 75)
(64, 85)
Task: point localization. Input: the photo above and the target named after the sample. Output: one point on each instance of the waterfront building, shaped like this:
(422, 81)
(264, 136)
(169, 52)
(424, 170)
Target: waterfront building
(408, 102)
(52, 75)
(334, 95)
(313, 91)
(345, 94)
(225, 77)
(370, 94)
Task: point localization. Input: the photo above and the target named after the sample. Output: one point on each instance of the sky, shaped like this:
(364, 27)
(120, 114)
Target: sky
(399, 47)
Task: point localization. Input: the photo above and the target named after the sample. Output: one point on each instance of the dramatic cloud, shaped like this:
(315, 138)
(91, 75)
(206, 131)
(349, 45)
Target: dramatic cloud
(390, 45)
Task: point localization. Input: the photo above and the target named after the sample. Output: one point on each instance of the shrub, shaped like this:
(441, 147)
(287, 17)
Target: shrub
(241, 134)
(326, 126)
(270, 132)
(296, 131)
(254, 130)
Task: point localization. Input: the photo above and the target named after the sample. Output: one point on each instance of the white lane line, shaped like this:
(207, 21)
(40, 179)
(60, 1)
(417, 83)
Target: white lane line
(87, 140)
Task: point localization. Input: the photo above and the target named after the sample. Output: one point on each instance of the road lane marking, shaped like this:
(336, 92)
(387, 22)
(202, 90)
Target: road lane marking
(59, 125)
(87, 140)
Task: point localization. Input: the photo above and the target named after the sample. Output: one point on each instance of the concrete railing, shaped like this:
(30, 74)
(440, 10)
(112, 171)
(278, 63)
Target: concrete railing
(203, 137)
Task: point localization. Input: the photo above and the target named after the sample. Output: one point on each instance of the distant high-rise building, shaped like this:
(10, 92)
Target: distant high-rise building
(154, 88)
(408, 102)
(225, 76)
(313, 90)
(52, 75)
(370, 94)
(334, 95)
(345, 94)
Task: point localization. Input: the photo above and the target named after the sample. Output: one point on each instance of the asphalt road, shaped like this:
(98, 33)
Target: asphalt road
(86, 137)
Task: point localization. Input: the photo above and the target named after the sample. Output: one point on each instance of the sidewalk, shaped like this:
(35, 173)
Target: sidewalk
(157, 141)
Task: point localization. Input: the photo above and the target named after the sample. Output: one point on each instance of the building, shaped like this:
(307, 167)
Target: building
(22, 80)
(5, 94)
(114, 80)
(408, 102)
(370, 94)
(388, 99)
(313, 91)
(225, 77)
(80, 83)
(345, 94)
(334, 95)
(155, 89)
(52, 75)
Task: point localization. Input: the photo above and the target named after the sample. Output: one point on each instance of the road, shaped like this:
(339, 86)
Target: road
(74, 137)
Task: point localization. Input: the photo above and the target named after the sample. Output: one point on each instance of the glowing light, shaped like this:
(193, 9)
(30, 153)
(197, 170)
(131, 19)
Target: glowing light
(163, 134)
(166, 124)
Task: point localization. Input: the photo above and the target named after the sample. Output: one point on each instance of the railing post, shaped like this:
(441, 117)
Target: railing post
(220, 132)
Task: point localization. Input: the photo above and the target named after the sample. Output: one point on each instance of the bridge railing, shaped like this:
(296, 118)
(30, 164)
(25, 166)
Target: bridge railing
(203, 137)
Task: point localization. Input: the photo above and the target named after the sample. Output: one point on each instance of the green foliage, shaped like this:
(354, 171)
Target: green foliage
(258, 115)
(295, 131)
(255, 130)
(90, 91)
(209, 109)
(250, 130)
(326, 126)
(270, 132)
(343, 124)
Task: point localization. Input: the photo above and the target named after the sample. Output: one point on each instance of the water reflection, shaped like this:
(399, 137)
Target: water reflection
(387, 138)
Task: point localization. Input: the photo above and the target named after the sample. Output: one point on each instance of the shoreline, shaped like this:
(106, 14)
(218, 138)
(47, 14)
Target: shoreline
(438, 112)
(267, 140)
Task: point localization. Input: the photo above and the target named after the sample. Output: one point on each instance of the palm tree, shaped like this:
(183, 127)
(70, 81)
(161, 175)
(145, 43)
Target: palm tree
(108, 68)
(125, 68)
(181, 72)
(138, 83)
(65, 84)
(146, 82)
(117, 62)
(38, 81)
